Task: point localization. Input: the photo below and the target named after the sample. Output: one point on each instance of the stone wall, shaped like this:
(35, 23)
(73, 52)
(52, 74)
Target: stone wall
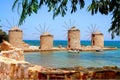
(11, 69)
(16, 54)
(8, 51)
(5, 46)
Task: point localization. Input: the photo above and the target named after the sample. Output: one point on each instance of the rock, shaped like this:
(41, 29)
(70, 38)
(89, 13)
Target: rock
(6, 46)
(16, 54)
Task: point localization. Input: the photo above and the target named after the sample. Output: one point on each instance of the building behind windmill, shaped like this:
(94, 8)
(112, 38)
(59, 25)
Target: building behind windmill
(98, 39)
(73, 38)
(15, 38)
(46, 41)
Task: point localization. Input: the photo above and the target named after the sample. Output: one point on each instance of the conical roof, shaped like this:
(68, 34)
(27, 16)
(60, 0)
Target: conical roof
(73, 28)
(46, 34)
(15, 28)
(97, 32)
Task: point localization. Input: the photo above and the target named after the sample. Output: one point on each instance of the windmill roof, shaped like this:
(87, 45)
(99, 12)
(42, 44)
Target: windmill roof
(15, 28)
(46, 33)
(97, 32)
(73, 28)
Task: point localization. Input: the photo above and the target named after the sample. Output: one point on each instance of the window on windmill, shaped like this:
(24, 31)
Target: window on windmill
(68, 45)
(68, 39)
(93, 35)
(93, 42)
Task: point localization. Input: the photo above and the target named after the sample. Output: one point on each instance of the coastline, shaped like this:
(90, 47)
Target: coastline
(14, 64)
(85, 45)
(87, 48)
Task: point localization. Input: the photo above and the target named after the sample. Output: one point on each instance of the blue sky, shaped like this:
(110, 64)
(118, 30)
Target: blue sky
(82, 20)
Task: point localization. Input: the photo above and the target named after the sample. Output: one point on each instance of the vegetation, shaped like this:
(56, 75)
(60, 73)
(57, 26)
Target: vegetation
(61, 7)
(3, 35)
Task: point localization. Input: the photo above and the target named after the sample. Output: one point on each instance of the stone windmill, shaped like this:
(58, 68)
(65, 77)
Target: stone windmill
(46, 39)
(97, 38)
(15, 37)
(73, 36)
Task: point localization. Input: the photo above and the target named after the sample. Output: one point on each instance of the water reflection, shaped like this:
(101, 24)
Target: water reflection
(73, 55)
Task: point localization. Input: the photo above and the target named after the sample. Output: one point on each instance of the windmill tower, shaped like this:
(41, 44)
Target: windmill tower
(97, 38)
(15, 35)
(74, 38)
(16, 38)
(46, 39)
(73, 35)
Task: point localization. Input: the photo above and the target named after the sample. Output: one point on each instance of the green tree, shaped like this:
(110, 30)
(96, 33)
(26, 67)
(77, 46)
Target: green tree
(56, 6)
(3, 34)
(106, 7)
(60, 7)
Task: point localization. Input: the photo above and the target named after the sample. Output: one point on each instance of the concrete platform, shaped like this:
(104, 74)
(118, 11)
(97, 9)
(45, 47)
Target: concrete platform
(84, 48)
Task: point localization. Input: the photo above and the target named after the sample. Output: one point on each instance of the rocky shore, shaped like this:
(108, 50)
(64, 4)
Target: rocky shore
(83, 48)
(14, 67)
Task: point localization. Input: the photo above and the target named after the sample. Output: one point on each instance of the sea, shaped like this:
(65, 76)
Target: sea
(60, 59)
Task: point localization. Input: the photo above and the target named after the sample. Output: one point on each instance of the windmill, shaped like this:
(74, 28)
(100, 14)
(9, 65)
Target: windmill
(96, 37)
(16, 36)
(41, 30)
(91, 29)
(68, 25)
(12, 24)
(73, 36)
(46, 39)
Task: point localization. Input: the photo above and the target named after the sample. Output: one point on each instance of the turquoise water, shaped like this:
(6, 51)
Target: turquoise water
(65, 59)
(64, 43)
